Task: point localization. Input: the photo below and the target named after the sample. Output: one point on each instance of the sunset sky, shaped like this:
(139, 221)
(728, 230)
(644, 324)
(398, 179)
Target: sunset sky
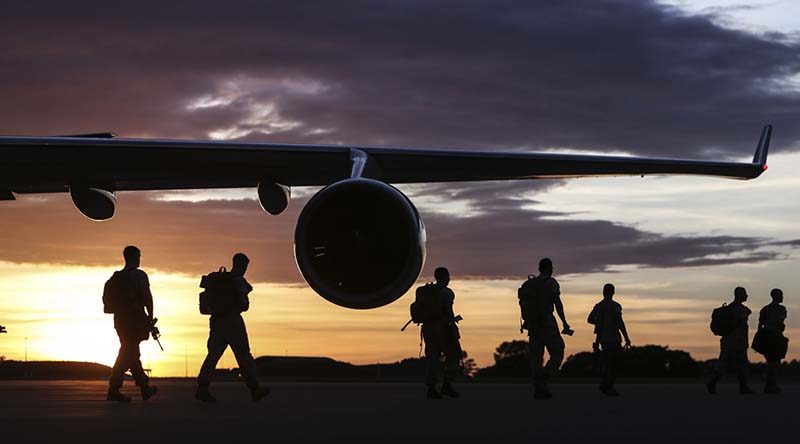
(695, 79)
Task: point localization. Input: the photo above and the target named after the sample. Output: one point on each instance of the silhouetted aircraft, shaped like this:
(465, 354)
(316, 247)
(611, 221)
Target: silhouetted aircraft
(359, 242)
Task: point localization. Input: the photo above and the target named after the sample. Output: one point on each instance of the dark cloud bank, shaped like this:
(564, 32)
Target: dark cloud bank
(599, 74)
(588, 74)
(503, 242)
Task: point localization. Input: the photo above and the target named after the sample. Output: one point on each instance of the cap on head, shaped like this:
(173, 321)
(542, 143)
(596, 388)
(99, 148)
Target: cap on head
(608, 290)
(441, 274)
(546, 265)
(131, 254)
(776, 293)
(240, 259)
(740, 294)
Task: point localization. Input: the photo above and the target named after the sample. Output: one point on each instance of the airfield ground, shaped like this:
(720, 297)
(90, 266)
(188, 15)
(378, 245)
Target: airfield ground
(76, 412)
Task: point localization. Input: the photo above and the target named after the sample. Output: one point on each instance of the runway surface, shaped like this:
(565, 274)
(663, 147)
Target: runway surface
(394, 413)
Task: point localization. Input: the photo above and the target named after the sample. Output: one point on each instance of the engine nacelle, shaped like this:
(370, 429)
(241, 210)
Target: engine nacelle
(360, 243)
(94, 203)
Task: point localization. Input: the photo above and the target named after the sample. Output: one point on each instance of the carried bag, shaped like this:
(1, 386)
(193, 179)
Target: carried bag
(117, 295)
(427, 305)
(219, 295)
(531, 302)
(723, 320)
(770, 344)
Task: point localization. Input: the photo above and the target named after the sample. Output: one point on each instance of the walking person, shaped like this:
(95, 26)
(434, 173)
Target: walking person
(730, 322)
(606, 316)
(539, 296)
(127, 295)
(225, 299)
(770, 340)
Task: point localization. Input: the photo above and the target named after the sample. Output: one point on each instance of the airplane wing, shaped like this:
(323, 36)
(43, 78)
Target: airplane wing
(53, 164)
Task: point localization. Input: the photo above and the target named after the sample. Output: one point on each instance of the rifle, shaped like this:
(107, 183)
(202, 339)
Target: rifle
(155, 333)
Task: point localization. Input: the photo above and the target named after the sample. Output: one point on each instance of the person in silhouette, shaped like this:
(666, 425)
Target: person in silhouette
(734, 345)
(132, 321)
(442, 338)
(228, 329)
(543, 329)
(606, 316)
(772, 323)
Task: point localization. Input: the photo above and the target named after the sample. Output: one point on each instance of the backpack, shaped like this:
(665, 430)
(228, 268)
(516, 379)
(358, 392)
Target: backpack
(219, 296)
(117, 295)
(427, 306)
(531, 302)
(722, 320)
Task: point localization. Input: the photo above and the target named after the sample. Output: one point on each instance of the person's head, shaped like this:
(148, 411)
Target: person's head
(739, 294)
(546, 266)
(240, 262)
(777, 295)
(608, 291)
(133, 256)
(442, 276)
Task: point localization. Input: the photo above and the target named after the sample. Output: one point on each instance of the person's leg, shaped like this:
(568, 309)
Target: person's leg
(120, 366)
(771, 385)
(433, 364)
(743, 371)
(118, 372)
(555, 348)
(216, 347)
(604, 367)
(610, 355)
(452, 361)
(717, 371)
(240, 344)
(536, 345)
(135, 363)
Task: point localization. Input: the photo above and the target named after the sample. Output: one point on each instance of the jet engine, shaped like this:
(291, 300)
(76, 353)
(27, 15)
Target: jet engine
(94, 203)
(360, 243)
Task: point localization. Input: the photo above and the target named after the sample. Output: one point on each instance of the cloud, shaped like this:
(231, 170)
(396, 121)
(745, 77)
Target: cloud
(588, 74)
(504, 240)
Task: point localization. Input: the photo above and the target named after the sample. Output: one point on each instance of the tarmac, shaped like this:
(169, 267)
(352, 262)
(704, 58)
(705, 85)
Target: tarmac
(76, 411)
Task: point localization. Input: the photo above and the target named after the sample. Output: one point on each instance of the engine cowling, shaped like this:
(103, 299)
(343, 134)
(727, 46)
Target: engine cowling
(360, 243)
(95, 203)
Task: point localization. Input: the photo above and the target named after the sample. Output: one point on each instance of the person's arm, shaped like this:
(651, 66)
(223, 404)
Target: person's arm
(147, 297)
(448, 309)
(592, 319)
(244, 289)
(560, 311)
(624, 331)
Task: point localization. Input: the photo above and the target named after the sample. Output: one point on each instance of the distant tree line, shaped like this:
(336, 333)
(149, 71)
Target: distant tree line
(511, 360)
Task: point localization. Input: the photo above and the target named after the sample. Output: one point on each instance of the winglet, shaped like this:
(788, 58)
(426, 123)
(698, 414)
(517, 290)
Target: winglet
(762, 149)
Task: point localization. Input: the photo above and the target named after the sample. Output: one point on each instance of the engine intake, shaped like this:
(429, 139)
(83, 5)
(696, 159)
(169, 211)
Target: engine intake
(360, 243)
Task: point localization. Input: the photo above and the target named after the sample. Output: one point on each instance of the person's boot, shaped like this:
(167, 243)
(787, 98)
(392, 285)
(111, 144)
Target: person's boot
(772, 389)
(447, 390)
(610, 391)
(258, 393)
(711, 386)
(148, 391)
(433, 393)
(115, 395)
(202, 394)
(542, 393)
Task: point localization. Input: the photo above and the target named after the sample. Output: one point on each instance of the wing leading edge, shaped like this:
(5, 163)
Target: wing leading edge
(52, 164)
